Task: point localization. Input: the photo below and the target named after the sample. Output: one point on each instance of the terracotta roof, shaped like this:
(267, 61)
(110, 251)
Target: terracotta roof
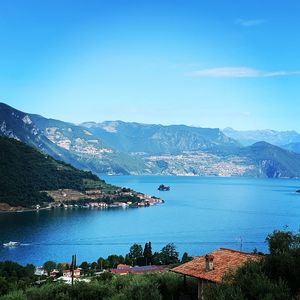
(223, 261)
(122, 266)
(138, 270)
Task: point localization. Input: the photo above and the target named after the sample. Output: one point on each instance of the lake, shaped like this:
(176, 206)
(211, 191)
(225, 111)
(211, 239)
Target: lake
(200, 214)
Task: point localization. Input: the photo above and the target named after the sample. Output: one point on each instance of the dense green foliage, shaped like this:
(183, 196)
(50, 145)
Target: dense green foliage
(137, 256)
(14, 276)
(135, 253)
(16, 281)
(156, 286)
(276, 276)
(284, 261)
(25, 172)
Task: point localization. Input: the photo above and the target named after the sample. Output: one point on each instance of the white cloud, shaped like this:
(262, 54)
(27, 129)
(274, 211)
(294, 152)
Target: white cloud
(240, 72)
(249, 23)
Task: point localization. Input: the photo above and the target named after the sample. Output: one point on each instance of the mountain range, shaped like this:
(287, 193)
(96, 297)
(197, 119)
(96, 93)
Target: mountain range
(123, 148)
(151, 139)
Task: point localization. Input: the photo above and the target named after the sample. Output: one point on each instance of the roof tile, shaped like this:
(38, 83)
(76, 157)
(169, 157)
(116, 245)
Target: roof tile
(223, 261)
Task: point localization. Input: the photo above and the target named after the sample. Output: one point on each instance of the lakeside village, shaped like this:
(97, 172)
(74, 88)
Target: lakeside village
(209, 268)
(94, 198)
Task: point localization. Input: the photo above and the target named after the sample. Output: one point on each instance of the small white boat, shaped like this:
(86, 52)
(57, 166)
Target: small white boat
(11, 244)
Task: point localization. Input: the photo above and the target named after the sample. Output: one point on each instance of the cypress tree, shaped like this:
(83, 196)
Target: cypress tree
(148, 253)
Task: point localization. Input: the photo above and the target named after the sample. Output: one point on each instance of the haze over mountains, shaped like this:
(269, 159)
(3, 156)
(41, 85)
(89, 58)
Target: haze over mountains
(278, 138)
(116, 147)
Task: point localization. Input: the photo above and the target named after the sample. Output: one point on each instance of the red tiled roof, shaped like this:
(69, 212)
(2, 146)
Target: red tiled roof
(119, 271)
(122, 266)
(138, 270)
(223, 261)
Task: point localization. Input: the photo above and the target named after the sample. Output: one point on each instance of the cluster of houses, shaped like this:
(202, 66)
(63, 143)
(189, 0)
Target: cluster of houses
(121, 269)
(209, 268)
(96, 199)
(64, 276)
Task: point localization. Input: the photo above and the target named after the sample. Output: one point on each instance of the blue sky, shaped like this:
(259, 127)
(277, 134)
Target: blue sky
(206, 63)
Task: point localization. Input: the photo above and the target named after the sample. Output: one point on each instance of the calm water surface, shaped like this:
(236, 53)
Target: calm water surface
(200, 214)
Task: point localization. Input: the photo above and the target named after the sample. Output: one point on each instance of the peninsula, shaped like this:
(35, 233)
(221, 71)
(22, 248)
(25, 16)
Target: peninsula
(29, 179)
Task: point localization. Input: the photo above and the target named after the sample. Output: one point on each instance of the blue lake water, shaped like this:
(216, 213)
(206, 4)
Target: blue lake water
(199, 214)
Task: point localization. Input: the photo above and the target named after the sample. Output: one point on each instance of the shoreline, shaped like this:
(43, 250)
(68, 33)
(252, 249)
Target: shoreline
(91, 205)
(90, 198)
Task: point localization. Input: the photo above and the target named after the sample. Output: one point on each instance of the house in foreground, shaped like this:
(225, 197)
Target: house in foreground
(213, 266)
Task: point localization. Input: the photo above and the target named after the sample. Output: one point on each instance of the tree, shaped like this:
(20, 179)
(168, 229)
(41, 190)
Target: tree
(280, 241)
(85, 266)
(156, 258)
(114, 260)
(100, 263)
(284, 259)
(60, 267)
(4, 287)
(148, 253)
(49, 266)
(29, 270)
(135, 252)
(94, 265)
(169, 255)
(185, 258)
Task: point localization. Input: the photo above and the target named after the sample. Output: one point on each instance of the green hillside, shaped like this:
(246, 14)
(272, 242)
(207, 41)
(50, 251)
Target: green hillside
(25, 172)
